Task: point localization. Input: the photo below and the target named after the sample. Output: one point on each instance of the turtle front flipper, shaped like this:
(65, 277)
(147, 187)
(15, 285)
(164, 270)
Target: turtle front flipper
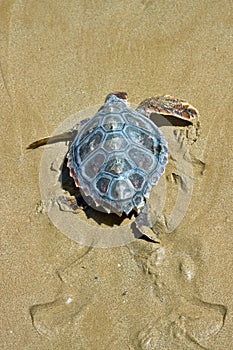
(66, 136)
(166, 110)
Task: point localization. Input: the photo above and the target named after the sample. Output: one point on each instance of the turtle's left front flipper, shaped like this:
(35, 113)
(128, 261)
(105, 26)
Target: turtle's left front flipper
(66, 136)
(168, 110)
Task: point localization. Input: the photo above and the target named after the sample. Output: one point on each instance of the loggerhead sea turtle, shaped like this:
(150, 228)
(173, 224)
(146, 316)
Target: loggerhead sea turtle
(119, 154)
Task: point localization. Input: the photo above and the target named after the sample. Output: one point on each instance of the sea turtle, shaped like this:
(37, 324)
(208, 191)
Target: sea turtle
(117, 156)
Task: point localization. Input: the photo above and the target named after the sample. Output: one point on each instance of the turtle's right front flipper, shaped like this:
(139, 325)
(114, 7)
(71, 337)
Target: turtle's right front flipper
(175, 111)
(66, 136)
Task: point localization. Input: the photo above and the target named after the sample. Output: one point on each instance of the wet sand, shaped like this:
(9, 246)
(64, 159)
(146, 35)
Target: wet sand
(57, 59)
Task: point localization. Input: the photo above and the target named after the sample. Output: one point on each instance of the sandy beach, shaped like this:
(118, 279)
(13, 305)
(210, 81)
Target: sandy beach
(60, 58)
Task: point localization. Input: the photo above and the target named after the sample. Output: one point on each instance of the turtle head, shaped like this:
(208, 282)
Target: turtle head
(117, 96)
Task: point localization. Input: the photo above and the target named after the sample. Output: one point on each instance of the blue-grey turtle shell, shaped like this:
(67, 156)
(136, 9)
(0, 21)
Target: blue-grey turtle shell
(116, 157)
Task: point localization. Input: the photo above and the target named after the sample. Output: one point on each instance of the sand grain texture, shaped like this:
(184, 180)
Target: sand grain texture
(57, 58)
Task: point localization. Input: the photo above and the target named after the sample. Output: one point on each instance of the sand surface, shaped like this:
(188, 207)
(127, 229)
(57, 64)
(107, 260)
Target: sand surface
(58, 58)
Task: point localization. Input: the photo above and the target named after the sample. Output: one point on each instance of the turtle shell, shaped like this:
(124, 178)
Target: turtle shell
(116, 157)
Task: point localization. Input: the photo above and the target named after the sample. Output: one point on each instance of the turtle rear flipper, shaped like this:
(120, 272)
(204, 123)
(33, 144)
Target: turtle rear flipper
(143, 225)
